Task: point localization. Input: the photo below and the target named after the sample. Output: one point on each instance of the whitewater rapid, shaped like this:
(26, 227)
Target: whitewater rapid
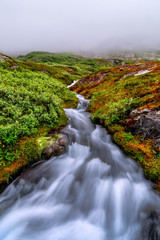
(92, 192)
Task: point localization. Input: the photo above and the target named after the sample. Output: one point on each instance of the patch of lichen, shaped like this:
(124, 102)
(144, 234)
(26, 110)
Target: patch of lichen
(113, 94)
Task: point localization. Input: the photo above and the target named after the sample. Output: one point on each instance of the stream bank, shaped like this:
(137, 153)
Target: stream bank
(126, 101)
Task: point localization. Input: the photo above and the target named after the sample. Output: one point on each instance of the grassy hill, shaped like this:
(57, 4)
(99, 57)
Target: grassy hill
(48, 57)
(66, 67)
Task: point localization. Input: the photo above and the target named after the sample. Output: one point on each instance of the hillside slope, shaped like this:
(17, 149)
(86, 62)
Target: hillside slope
(31, 106)
(126, 100)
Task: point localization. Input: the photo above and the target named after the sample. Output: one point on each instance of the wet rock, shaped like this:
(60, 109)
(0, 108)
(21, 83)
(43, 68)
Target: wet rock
(137, 113)
(156, 143)
(56, 148)
(146, 123)
(151, 229)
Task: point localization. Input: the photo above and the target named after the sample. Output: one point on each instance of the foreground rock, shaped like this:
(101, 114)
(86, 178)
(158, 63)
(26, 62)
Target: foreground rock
(55, 148)
(145, 123)
(151, 229)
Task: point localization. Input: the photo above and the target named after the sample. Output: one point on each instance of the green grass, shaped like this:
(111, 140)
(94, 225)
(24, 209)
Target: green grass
(32, 98)
(73, 65)
(28, 101)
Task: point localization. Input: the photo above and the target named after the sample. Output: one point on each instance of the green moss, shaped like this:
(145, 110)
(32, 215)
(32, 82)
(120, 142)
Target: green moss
(45, 141)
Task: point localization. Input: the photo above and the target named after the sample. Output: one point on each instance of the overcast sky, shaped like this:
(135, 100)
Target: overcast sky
(78, 25)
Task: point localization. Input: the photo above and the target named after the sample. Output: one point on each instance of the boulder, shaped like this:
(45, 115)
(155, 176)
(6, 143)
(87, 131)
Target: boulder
(146, 123)
(151, 227)
(56, 148)
(156, 143)
(139, 112)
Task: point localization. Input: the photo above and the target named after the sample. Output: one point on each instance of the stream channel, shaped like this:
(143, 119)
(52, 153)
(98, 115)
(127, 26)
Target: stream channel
(92, 192)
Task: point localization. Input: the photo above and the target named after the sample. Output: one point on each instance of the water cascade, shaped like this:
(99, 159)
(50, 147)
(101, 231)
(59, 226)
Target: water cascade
(92, 192)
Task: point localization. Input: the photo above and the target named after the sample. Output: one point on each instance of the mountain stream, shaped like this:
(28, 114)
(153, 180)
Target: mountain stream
(92, 192)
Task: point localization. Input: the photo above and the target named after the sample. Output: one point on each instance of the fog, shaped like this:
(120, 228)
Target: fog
(78, 25)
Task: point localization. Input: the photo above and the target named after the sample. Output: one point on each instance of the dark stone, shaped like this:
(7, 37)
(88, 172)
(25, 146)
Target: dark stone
(137, 113)
(147, 123)
(156, 143)
(56, 149)
(151, 229)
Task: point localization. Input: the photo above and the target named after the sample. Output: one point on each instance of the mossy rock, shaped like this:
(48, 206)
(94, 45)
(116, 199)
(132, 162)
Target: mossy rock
(52, 146)
(45, 141)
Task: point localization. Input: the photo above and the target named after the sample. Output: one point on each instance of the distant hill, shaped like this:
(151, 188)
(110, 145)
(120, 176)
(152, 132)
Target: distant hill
(5, 58)
(40, 56)
(125, 55)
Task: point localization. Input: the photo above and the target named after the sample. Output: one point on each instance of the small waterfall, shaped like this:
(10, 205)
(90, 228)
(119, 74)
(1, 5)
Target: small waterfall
(92, 192)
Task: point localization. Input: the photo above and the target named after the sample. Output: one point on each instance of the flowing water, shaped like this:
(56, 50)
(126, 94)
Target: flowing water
(92, 192)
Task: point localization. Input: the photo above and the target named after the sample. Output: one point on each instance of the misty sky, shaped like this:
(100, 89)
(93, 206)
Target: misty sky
(78, 25)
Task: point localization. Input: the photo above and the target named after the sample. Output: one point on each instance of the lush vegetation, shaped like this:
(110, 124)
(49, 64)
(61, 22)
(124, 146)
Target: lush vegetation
(66, 67)
(31, 105)
(114, 93)
(28, 101)
(61, 58)
(33, 93)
